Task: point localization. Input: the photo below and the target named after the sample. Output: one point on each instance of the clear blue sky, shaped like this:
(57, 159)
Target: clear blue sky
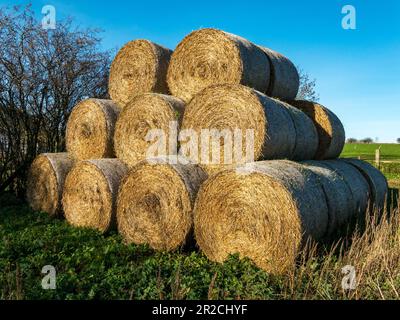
(357, 71)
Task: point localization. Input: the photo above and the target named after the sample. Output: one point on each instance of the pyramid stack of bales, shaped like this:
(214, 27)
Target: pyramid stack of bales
(120, 170)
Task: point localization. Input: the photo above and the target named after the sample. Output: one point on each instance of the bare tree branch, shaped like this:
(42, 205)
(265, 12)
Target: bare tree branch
(43, 74)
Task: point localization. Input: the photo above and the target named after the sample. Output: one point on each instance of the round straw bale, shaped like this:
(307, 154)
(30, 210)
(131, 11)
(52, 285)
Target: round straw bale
(142, 114)
(306, 134)
(139, 67)
(155, 203)
(45, 182)
(265, 214)
(90, 193)
(341, 206)
(90, 129)
(357, 183)
(230, 108)
(285, 80)
(208, 56)
(376, 180)
(330, 129)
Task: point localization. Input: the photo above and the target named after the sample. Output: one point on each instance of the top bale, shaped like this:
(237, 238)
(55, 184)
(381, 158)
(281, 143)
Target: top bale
(209, 56)
(139, 67)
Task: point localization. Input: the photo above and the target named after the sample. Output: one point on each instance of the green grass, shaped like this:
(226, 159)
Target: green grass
(92, 266)
(367, 151)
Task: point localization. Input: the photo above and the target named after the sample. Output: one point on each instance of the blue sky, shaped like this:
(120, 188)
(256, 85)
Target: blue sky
(357, 71)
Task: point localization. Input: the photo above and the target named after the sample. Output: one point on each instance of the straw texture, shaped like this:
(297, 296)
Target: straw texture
(90, 129)
(284, 80)
(90, 193)
(378, 184)
(229, 108)
(330, 129)
(155, 203)
(142, 114)
(209, 56)
(139, 67)
(45, 182)
(265, 214)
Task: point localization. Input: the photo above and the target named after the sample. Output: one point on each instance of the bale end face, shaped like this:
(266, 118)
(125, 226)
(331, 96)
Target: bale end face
(139, 67)
(90, 129)
(142, 116)
(159, 212)
(330, 130)
(90, 192)
(45, 182)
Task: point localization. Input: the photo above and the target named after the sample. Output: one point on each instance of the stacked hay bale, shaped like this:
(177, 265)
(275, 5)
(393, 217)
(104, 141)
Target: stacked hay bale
(90, 129)
(268, 213)
(90, 192)
(378, 185)
(284, 78)
(133, 133)
(45, 182)
(265, 214)
(280, 130)
(209, 56)
(139, 67)
(330, 129)
(155, 203)
(234, 103)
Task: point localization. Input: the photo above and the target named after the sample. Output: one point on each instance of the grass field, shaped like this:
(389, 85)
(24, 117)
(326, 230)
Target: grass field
(389, 151)
(390, 158)
(92, 266)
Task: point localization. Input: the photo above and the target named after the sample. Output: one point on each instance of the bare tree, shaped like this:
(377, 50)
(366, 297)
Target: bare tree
(43, 74)
(307, 87)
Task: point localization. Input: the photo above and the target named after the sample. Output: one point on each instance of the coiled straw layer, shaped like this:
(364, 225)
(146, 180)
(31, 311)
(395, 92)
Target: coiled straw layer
(278, 131)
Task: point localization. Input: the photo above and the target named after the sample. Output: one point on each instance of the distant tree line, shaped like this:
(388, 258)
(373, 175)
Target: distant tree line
(365, 140)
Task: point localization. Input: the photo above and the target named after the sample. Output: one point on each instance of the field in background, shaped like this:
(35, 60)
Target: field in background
(390, 158)
(389, 151)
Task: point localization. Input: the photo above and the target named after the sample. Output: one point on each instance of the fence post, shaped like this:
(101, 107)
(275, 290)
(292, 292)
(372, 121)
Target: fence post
(378, 158)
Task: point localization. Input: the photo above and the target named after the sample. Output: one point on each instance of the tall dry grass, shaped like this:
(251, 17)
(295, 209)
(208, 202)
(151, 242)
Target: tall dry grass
(373, 254)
